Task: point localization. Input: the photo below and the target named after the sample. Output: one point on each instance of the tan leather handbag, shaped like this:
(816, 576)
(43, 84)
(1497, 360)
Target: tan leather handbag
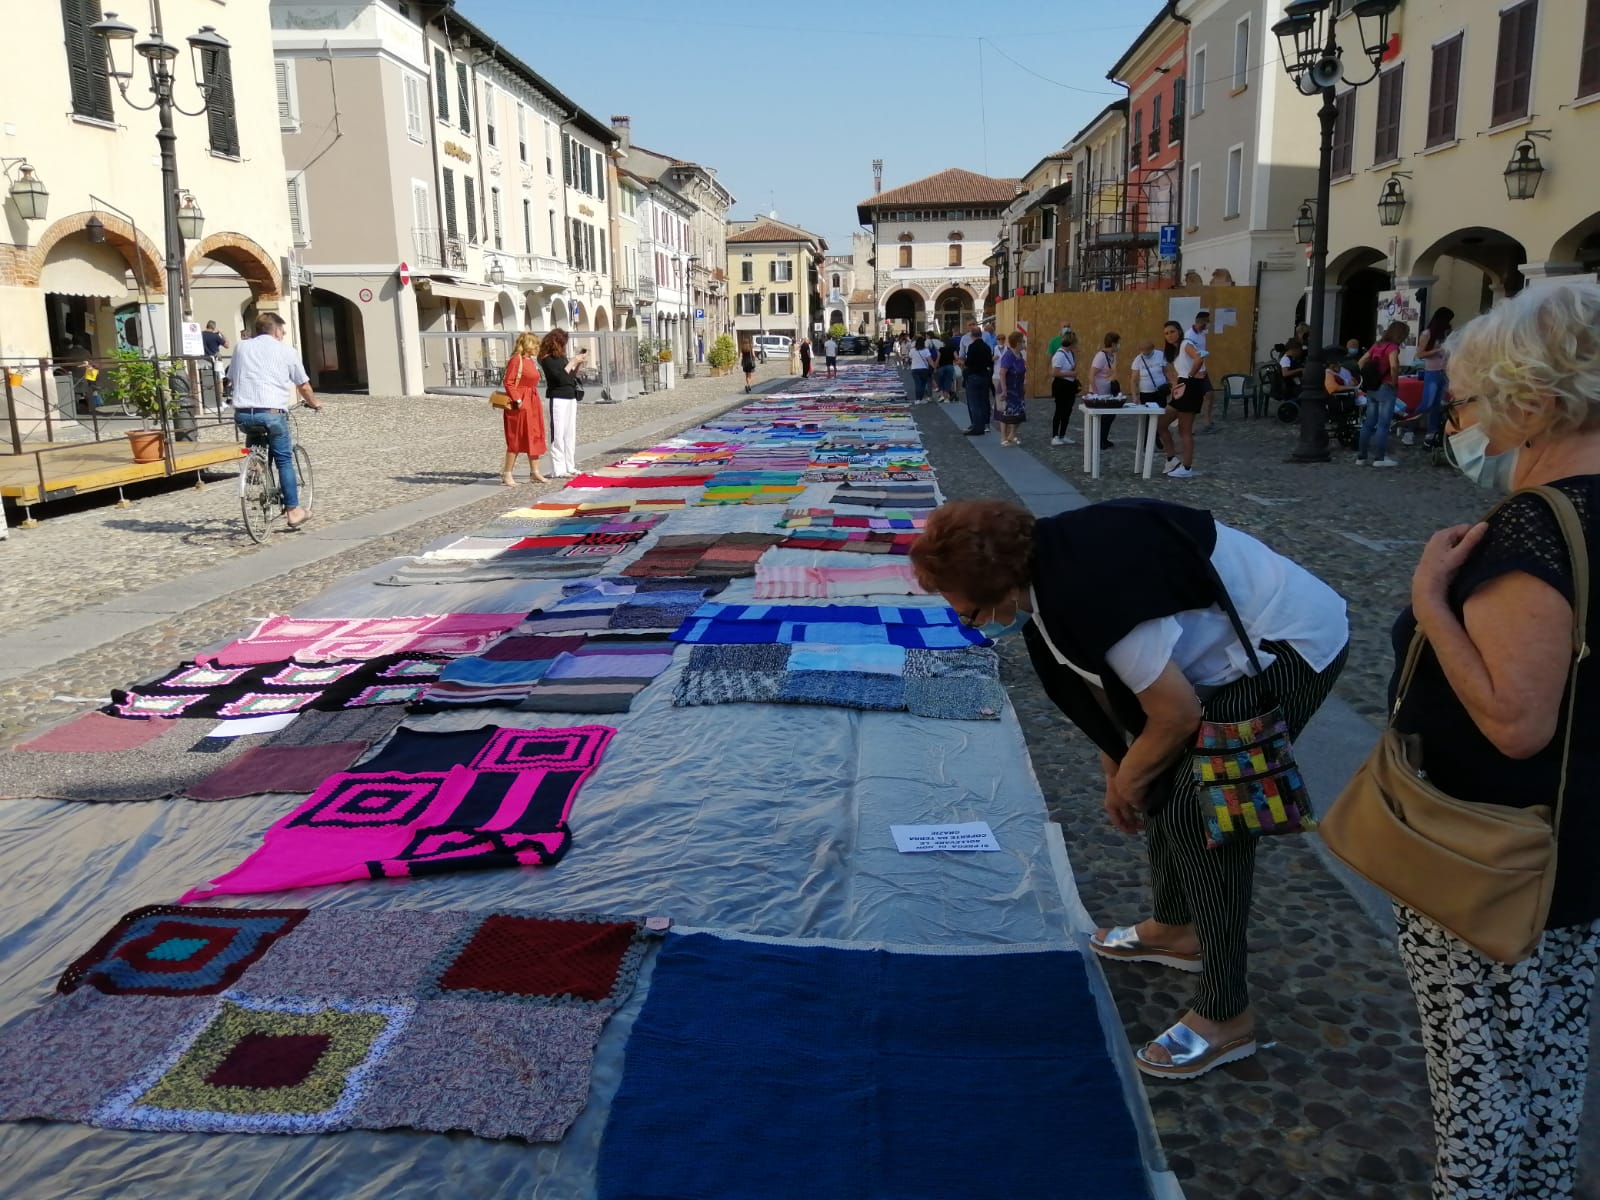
(1485, 872)
(500, 399)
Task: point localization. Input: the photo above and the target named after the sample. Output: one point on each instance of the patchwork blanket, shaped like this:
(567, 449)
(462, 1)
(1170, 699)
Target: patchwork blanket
(927, 628)
(332, 639)
(280, 687)
(289, 1021)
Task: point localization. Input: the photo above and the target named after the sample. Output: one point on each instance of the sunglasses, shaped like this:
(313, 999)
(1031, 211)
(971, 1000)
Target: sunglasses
(1451, 417)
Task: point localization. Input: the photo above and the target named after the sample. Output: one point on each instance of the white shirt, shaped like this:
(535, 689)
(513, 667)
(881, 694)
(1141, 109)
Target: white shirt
(1277, 600)
(921, 360)
(1197, 338)
(830, 349)
(264, 373)
(1150, 371)
(1104, 366)
(1064, 360)
(1189, 362)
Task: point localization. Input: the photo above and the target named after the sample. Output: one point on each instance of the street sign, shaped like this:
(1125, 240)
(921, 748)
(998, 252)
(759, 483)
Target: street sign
(699, 314)
(1169, 241)
(193, 344)
(1107, 284)
(574, 310)
(816, 327)
(405, 275)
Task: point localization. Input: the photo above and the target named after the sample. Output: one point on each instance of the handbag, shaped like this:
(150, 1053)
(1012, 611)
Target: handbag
(500, 399)
(1484, 872)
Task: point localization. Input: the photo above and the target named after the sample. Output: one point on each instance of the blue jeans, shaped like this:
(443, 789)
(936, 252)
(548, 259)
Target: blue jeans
(280, 441)
(1435, 385)
(919, 380)
(978, 407)
(944, 379)
(1374, 442)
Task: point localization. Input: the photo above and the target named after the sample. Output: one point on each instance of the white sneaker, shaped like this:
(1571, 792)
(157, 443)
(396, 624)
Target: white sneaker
(1181, 472)
(1055, 441)
(1387, 462)
(1409, 439)
(1172, 465)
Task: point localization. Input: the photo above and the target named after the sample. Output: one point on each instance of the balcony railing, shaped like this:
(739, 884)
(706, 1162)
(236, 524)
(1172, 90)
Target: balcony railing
(1155, 141)
(1133, 155)
(1175, 128)
(540, 270)
(437, 249)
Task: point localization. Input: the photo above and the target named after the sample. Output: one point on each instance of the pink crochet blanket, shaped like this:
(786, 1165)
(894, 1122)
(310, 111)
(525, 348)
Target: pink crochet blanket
(326, 640)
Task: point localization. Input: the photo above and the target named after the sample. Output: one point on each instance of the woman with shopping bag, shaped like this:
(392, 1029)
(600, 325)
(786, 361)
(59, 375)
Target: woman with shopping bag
(518, 402)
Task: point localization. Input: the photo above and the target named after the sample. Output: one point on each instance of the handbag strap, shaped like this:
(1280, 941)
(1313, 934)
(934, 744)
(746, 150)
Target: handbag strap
(1225, 602)
(1578, 553)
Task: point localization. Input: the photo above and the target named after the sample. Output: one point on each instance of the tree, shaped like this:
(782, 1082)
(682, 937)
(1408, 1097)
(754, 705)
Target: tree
(837, 330)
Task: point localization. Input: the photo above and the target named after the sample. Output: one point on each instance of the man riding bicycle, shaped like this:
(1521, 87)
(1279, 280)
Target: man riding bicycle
(265, 374)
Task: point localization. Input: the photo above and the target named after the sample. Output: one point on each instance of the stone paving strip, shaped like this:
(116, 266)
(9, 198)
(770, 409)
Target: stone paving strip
(73, 679)
(368, 453)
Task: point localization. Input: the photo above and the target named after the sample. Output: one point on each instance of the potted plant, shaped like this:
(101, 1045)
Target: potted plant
(722, 355)
(134, 383)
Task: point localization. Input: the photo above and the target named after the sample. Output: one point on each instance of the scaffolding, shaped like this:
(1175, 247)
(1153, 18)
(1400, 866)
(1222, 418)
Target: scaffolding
(1119, 231)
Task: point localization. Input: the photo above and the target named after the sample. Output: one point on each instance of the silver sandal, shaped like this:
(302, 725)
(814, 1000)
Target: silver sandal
(1191, 1055)
(1124, 945)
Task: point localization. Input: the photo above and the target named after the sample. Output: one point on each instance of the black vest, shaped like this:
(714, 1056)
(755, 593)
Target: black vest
(1098, 572)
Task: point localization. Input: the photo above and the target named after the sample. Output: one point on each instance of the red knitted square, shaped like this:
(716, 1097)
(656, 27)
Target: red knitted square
(266, 1060)
(535, 956)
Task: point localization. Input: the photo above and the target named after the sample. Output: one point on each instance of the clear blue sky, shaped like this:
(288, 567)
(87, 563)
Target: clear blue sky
(791, 116)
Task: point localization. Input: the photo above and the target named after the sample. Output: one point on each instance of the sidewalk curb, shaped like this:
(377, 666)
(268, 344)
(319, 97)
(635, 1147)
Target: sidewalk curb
(47, 643)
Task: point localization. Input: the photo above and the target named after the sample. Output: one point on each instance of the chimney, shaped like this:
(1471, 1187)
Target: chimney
(877, 176)
(623, 128)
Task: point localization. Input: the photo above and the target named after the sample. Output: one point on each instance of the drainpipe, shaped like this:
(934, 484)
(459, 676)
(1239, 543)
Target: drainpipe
(1183, 152)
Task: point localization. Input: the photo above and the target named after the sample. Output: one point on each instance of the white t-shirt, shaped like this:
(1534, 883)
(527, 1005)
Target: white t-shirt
(1189, 362)
(1064, 360)
(1150, 371)
(921, 360)
(1104, 366)
(1277, 599)
(1196, 338)
(830, 348)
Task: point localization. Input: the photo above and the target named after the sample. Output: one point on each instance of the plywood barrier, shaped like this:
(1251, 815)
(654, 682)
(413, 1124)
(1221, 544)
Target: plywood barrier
(1138, 316)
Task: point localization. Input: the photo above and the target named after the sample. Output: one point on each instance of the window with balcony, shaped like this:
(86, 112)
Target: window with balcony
(1386, 139)
(86, 60)
(1513, 64)
(1444, 89)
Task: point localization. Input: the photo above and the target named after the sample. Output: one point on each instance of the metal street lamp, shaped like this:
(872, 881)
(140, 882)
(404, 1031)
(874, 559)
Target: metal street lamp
(27, 191)
(208, 49)
(1305, 225)
(1392, 203)
(1308, 37)
(497, 272)
(1524, 171)
(191, 221)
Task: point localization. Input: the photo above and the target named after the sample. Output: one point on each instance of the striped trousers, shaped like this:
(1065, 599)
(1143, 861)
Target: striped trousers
(1210, 889)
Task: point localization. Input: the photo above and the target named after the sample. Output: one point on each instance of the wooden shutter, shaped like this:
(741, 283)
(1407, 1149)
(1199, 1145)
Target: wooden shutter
(494, 215)
(283, 77)
(470, 196)
(419, 211)
(297, 215)
(1443, 89)
(464, 97)
(86, 60)
(1513, 64)
(447, 201)
(441, 85)
(566, 160)
(1589, 59)
(1386, 141)
(220, 114)
(1344, 128)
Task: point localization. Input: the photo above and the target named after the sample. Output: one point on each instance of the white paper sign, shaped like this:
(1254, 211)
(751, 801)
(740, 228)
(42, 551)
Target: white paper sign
(193, 344)
(240, 726)
(920, 839)
(1224, 318)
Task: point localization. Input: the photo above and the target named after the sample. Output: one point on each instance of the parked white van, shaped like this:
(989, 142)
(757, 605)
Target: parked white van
(771, 345)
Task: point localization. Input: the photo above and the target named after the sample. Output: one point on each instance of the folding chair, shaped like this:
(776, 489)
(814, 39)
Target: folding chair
(1236, 387)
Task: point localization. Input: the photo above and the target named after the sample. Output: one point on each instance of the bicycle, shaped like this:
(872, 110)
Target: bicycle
(260, 495)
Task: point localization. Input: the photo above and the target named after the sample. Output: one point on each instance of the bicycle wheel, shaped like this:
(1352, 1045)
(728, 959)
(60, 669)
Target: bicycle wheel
(258, 497)
(302, 472)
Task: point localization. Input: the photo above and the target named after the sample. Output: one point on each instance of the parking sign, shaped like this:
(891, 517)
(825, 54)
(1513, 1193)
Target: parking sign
(1169, 241)
(699, 314)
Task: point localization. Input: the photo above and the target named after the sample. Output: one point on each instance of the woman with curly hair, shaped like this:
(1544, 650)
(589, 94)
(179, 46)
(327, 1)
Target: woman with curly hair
(1118, 604)
(524, 421)
(1508, 1044)
(561, 389)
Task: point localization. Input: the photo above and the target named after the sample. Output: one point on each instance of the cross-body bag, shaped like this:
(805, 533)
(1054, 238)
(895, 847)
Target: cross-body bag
(1485, 872)
(500, 399)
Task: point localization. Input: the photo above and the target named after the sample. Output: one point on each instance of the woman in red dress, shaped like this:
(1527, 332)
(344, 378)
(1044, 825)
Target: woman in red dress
(524, 419)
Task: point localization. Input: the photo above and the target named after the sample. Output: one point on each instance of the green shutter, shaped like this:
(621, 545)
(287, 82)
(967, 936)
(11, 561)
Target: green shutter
(86, 60)
(441, 85)
(221, 116)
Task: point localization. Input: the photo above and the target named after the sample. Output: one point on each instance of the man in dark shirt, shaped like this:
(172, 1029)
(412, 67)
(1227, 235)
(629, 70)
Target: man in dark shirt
(214, 342)
(977, 371)
(944, 376)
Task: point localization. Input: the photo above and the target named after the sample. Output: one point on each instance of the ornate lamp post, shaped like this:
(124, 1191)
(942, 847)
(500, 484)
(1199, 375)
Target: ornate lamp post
(1308, 38)
(207, 49)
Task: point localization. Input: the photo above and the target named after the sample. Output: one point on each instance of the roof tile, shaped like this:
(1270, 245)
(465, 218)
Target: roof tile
(952, 186)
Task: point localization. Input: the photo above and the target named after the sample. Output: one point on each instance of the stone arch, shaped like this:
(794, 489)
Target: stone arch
(247, 258)
(602, 318)
(1577, 244)
(1498, 255)
(1348, 262)
(558, 314)
(140, 252)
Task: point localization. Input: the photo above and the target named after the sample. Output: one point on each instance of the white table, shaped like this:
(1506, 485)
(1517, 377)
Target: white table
(1144, 438)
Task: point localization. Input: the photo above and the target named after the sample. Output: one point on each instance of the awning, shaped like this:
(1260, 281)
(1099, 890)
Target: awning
(1034, 260)
(84, 269)
(459, 291)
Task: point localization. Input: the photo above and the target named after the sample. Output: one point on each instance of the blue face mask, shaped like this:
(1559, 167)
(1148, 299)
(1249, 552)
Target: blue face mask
(994, 631)
(1469, 451)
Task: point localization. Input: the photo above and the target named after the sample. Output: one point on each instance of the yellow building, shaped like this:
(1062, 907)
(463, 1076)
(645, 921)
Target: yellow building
(1471, 89)
(773, 271)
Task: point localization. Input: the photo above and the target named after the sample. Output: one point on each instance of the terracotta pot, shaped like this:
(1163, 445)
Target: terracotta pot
(147, 445)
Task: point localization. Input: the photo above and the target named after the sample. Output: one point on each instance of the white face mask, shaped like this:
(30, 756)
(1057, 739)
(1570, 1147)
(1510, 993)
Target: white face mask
(1469, 451)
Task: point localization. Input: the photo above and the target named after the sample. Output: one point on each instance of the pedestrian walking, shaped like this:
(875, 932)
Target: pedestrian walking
(883, 348)
(1011, 410)
(1432, 354)
(747, 361)
(1103, 372)
(921, 370)
(1064, 387)
(1489, 704)
(1117, 603)
(523, 418)
(944, 373)
(1380, 372)
(1188, 397)
(1200, 381)
(830, 356)
(977, 369)
(805, 359)
(562, 389)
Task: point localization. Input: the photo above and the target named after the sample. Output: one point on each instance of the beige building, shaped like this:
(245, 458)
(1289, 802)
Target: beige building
(931, 238)
(847, 295)
(1026, 252)
(438, 185)
(1476, 86)
(773, 270)
(89, 274)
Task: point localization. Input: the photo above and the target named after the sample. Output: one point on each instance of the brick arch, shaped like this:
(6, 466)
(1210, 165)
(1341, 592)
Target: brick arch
(139, 251)
(253, 264)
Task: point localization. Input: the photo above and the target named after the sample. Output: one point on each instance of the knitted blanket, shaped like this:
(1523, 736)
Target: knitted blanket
(330, 639)
(926, 628)
(426, 804)
(237, 1020)
(279, 687)
(863, 1073)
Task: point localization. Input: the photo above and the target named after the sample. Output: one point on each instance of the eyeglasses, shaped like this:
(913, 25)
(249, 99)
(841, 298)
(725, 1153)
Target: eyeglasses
(1452, 420)
(970, 619)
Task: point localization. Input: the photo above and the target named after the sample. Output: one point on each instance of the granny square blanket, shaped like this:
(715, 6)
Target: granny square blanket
(429, 803)
(237, 1020)
(927, 628)
(791, 1072)
(209, 690)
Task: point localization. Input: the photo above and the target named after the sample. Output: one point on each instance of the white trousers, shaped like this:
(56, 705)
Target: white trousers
(563, 435)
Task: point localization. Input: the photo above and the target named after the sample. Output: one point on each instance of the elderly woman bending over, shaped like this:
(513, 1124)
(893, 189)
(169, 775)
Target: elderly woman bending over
(1120, 613)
